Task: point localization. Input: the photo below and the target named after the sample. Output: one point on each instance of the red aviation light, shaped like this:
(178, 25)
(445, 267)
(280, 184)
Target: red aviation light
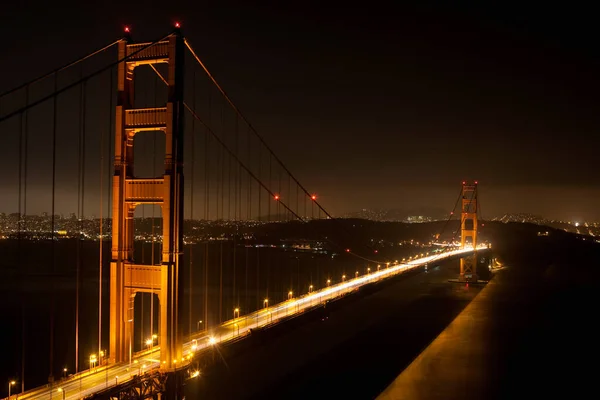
(314, 197)
(127, 29)
(177, 25)
(276, 197)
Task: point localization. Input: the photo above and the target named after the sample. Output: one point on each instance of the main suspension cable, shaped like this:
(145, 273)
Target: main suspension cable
(59, 69)
(79, 81)
(260, 138)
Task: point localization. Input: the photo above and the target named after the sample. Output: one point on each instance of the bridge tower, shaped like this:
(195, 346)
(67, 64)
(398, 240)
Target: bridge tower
(126, 277)
(468, 229)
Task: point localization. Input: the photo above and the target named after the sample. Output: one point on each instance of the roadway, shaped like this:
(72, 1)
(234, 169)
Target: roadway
(102, 377)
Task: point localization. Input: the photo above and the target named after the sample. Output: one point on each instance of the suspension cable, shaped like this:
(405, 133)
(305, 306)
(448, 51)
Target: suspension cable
(79, 81)
(57, 70)
(260, 138)
(451, 214)
(262, 141)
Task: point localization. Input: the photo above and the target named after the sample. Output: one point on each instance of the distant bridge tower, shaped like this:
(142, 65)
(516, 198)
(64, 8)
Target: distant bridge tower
(126, 277)
(468, 229)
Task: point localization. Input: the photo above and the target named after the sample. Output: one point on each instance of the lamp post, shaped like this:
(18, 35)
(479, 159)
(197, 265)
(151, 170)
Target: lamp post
(10, 385)
(290, 294)
(198, 325)
(343, 278)
(328, 282)
(266, 303)
(310, 288)
(60, 390)
(236, 313)
(65, 372)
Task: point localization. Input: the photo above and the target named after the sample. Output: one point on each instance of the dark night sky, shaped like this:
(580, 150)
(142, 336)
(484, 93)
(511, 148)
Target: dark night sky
(393, 106)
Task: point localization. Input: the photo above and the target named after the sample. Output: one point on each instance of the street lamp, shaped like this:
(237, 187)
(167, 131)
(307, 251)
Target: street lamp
(310, 288)
(116, 380)
(198, 325)
(93, 360)
(101, 356)
(149, 342)
(10, 384)
(368, 270)
(236, 311)
(343, 278)
(60, 390)
(356, 274)
(328, 282)
(378, 266)
(64, 372)
(266, 303)
(290, 294)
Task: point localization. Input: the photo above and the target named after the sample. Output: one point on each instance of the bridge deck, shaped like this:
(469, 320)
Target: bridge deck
(98, 379)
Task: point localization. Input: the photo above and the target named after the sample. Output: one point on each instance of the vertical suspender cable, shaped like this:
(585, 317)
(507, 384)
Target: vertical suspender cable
(52, 219)
(22, 160)
(100, 226)
(83, 124)
(206, 208)
(79, 218)
(222, 169)
(20, 221)
(248, 217)
(235, 216)
(192, 200)
(267, 276)
(25, 153)
(260, 219)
